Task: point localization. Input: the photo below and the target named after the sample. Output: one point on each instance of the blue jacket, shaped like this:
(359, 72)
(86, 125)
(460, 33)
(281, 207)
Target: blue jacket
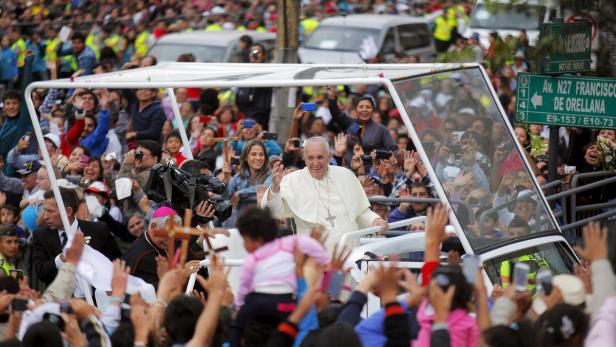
(97, 141)
(8, 64)
(148, 123)
(14, 128)
(371, 331)
(86, 60)
(38, 65)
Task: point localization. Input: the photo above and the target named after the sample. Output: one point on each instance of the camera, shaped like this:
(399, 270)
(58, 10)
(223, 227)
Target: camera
(254, 54)
(182, 190)
(138, 155)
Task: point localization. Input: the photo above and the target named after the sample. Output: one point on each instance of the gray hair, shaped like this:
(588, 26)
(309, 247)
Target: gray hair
(161, 222)
(318, 139)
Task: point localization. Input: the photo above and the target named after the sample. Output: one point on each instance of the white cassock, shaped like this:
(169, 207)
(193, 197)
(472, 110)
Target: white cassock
(337, 202)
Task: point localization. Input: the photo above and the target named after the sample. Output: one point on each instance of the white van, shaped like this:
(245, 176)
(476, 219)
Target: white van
(338, 40)
(506, 18)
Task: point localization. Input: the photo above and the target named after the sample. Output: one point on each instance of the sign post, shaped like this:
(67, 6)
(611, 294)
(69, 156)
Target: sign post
(570, 47)
(570, 101)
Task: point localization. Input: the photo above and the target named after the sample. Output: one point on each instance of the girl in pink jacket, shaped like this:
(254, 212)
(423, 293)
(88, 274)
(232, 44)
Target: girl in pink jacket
(463, 329)
(268, 280)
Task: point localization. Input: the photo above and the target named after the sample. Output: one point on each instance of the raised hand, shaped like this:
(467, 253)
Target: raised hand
(435, 226)
(74, 252)
(277, 173)
(330, 91)
(205, 209)
(339, 258)
(340, 144)
(119, 278)
(440, 300)
(319, 233)
(595, 242)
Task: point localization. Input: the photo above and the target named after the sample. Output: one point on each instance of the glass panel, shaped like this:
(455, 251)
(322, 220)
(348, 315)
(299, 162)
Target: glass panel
(474, 156)
(203, 54)
(413, 36)
(340, 38)
(507, 16)
(554, 257)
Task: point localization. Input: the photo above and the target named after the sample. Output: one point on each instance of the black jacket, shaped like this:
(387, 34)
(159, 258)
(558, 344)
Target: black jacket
(46, 246)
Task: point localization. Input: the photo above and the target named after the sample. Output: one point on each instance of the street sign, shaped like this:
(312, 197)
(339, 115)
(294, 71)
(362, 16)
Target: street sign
(566, 101)
(571, 47)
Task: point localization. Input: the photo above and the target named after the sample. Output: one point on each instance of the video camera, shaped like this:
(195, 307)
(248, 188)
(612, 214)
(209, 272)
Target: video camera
(181, 190)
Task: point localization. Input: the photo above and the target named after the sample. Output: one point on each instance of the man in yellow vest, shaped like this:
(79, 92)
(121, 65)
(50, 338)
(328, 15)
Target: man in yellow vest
(142, 42)
(9, 247)
(442, 33)
(53, 42)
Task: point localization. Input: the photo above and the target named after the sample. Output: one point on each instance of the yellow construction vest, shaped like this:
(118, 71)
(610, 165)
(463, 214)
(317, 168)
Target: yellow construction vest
(213, 27)
(6, 266)
(51, 48)
(20, 46)
(141, 44)
(309, 25)
(442, 29)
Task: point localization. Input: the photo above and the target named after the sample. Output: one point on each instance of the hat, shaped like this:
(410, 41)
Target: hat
(55, 139)
(527, 194)
(571, 288)
(519, 54)
(163, 212)
(64, 183)
(98, 187)
(30, 167)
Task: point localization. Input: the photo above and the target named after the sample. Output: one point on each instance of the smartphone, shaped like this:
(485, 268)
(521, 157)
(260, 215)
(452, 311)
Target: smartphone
(520, 276)
(470, 265)
(54, 319)
(309, 106)
(65, 307)
(335, 285)
(249, 123)
(569, 169)
(26, 136)
(84, 159)
(17, 274)
(19, 305)
(544, 281)
(383, 155)
(270, 136)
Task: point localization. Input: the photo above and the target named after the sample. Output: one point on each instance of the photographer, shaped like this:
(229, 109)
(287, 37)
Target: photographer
(255, 103)
(137, 164)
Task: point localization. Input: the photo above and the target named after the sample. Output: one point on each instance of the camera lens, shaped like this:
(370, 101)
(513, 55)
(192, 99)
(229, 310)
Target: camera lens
(138, 155)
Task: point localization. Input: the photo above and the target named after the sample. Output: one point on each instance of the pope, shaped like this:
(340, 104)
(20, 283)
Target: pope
(321, 194)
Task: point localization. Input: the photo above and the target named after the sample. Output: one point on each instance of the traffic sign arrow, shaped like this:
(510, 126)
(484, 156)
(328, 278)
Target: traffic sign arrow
(536, 100)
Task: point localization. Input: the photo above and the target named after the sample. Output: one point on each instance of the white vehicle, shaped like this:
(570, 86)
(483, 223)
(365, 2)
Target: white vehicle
(508, 17)
(468, 89)
(345, 39)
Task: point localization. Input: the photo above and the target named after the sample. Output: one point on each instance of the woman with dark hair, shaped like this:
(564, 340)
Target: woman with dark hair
(93, 170)
(253, 171)
(363, 130)
(206, 151)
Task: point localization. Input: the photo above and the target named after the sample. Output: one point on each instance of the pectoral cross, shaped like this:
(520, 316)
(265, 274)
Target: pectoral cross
(330, 218)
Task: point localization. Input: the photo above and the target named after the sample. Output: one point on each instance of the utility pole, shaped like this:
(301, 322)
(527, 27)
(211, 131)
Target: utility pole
(287, 42)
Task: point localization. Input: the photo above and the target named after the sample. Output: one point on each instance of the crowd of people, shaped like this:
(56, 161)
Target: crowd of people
(346, 144)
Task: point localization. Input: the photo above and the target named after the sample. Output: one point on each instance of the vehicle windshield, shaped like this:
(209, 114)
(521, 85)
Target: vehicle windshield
(475, 158)
(507, 16)
(334, 38)
(555, 257)
(203, 54)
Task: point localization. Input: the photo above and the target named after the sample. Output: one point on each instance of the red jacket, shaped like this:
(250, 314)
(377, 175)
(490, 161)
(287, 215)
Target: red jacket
(70, 139)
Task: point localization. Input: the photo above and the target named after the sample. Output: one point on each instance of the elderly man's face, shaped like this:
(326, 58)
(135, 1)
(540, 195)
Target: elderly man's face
(317, 157)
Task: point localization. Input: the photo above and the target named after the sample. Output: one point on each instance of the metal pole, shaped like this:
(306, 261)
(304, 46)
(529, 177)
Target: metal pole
(553, 154)
(178, 120)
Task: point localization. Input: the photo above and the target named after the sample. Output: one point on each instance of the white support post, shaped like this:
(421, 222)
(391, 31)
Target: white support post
(180, 123)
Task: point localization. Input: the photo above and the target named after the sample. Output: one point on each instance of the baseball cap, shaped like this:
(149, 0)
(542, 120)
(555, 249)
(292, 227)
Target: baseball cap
(55, 139)
(98, 187)
(527, 194)
(30, 167)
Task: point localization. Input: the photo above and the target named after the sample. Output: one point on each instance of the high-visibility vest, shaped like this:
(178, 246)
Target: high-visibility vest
(51, 48)
(20, 46)
(309, 24)
(94, 41)
(213, 27)
(115, 42)
(535, 263)
(6, 266)
(442, 29)
(452, 17)
(141, 43)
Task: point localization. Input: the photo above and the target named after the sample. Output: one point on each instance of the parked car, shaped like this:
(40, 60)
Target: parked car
(339, 40)
(207, 46)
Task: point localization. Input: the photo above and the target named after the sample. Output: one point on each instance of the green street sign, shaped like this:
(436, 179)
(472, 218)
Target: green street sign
(566, 101)
(570, 45)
